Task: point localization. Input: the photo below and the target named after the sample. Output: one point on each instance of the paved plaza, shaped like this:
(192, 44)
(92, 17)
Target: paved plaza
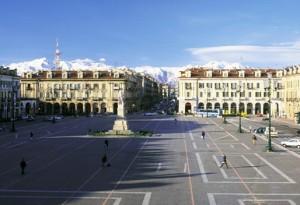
(175, 166)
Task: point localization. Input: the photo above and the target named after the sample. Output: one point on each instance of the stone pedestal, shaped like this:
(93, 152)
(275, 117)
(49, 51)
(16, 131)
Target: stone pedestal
(120, 127)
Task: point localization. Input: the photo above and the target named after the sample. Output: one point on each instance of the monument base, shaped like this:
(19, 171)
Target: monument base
(120, 127)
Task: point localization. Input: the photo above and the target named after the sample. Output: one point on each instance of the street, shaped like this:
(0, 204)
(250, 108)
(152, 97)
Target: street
(175, 166)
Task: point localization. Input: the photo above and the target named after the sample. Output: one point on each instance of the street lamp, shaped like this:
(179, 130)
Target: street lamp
(239, 90)
(14, 90)
(268, 88)
(223, 105)
(207, 92)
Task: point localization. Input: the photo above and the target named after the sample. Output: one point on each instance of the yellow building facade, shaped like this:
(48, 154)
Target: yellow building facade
(85, 92)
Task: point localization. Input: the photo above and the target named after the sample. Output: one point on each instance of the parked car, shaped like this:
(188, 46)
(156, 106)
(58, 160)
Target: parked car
(260, 130)
(291, 143)
(30, 118)
(259, 115)
(273, 132)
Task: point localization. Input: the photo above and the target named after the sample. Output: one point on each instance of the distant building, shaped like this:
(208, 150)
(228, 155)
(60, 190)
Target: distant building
(232, 90)
(86, 91)
(291, 86)
(9, 94)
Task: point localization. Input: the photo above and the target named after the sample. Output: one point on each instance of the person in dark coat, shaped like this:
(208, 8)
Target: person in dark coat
(203, 134)
(224, 161)
(23, 165)
(31, 135)
(106, 143)
(104, 160)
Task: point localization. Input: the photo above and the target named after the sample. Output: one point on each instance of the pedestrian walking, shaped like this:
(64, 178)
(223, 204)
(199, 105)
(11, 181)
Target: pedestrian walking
(31, 135)
(104, 161)
(106, 143)
(175, 120)
(203, 134)
(224, 160)
(23, 165)
(254, 140)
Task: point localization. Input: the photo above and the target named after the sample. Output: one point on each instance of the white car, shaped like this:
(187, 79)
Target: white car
(291, 143)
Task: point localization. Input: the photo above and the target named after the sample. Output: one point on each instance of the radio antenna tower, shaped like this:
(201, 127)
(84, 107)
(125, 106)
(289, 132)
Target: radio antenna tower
(56, 59)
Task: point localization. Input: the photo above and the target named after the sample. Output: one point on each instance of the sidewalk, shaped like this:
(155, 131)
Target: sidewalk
(287, 121)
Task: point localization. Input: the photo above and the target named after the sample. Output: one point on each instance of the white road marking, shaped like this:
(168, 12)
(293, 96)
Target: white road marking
(194, 145)
(252, 165)
(158, 167)
(231, 146)
(207, 145)
(17, 144)
(191, 136)
(184, 169)
(277, 170)
(147, 197)
(201, 167)
(241, 201)
(246, 146)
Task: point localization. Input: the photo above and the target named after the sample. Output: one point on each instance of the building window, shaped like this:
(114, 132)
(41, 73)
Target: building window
(249, 94)
(201, 85)
(258, 94)
(188, 85)
(217, 94)
(188, 94)
(257, 85)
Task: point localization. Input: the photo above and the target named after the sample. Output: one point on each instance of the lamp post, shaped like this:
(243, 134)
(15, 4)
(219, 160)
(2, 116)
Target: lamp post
(207, 92)
(240, 118)
(224, 89)
(13, 129)
(268, 88)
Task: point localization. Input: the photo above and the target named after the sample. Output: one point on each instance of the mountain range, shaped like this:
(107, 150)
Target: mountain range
(161, 74)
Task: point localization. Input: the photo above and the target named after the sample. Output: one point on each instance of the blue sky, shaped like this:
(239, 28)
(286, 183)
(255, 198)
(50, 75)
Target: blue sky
(259, 33)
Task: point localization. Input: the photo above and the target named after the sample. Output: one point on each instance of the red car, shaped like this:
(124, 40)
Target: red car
(259, 115)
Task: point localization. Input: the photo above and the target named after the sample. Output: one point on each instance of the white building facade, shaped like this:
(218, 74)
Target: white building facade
(233, 90)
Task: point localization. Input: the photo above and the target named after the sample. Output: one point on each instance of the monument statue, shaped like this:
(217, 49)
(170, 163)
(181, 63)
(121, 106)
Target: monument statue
(120, 98)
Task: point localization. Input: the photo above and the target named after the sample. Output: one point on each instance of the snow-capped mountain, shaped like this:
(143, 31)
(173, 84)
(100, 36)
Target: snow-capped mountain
(161, 74)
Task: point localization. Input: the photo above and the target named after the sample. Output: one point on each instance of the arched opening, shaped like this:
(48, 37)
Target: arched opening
(233, 108)
(266, 108)
(56, 108)
(95, 108)
(115, 107)
(28, 108)
(249, 108)
(225, 108)
(87, 108)
(64, 109)
(257, 108)
(41, 109)
(103, 107)
(201, 106)
(72, 108)
(188, 107)
(209, 106)
(242, 107)
(79, 108)
(217, 106)
(49, 108)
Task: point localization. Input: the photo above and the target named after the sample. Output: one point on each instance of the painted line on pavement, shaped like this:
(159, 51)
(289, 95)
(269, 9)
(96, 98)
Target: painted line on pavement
(184, 168)
(201, 167)
(158, 167)
(253, 166)
(191, 136)
(275, 168)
